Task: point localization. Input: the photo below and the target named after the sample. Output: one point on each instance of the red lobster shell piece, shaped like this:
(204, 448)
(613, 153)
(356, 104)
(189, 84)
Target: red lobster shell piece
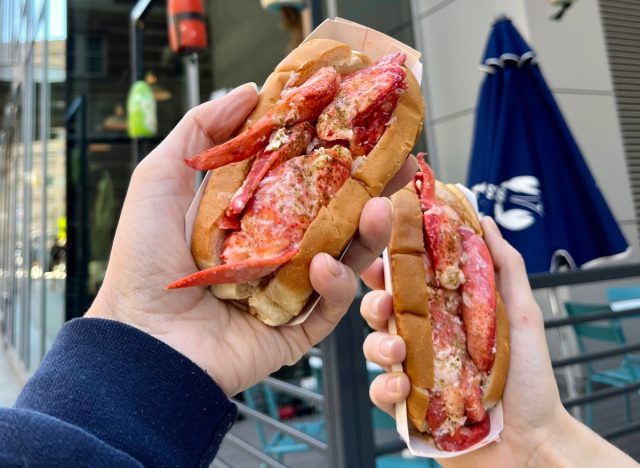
(301, 104)
(365, 100)
(286, 202)
(441, 229)
(287, 143)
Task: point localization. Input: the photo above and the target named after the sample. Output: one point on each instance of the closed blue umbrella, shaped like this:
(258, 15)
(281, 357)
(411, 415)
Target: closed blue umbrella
(526, 168)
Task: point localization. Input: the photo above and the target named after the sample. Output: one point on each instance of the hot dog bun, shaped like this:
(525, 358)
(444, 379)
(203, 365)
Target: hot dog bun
(283, 295)
(411, 301)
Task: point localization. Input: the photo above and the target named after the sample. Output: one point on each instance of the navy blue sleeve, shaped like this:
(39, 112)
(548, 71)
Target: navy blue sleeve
(108, 394)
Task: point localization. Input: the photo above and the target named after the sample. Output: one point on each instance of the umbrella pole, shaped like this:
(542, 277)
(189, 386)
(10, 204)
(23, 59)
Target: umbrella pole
(567, 344)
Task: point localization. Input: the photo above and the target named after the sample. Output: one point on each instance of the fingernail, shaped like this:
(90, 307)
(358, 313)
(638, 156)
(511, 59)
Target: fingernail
(333, 266)
(375, 306)
(393, 384)
(250, 84)
(386, 345)
(388, 200)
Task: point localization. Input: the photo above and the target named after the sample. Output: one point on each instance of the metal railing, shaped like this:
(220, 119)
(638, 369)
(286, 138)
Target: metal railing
(606, 313)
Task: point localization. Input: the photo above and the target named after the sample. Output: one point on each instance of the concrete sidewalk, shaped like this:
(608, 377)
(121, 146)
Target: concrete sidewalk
(9, 383)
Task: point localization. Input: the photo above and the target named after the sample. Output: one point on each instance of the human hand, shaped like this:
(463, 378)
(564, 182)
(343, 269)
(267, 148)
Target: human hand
(149, 252)
(533, 412)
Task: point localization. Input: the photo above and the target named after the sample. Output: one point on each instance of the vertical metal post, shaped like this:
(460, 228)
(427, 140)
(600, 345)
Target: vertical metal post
(136, 33)
(77, 211)
(44, 139)
(317, 15)
(332, 9)
(346, 387)
(5, 164)
(193, 79)
(27, 141)
(13, 289)
(192, 67)
(567, 341)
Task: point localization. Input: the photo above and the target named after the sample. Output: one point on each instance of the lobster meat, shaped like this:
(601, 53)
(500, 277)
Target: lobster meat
(293, 173)
(463, 316)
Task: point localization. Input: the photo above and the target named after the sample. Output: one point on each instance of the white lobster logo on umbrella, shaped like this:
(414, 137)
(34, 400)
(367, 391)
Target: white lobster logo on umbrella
(521, 190)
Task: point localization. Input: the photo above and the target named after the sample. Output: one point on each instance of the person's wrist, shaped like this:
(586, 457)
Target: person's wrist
(105, 307)
(551, 441)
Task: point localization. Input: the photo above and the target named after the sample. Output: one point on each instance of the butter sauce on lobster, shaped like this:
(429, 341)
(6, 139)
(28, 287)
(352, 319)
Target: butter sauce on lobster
(329, 131)
(448, 311)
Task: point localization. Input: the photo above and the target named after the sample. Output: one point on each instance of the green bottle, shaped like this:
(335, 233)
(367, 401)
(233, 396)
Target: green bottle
(141, 111)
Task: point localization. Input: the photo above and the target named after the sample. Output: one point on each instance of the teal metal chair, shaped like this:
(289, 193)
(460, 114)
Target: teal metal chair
(278, 444)
(623, 293)
(626, 293)
(608, 331)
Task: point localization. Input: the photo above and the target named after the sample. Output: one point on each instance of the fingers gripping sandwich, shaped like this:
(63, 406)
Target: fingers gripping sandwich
(330, 130)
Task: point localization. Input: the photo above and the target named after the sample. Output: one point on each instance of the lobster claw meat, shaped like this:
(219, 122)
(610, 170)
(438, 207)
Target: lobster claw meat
(478, 300)
(287, 143)
(458, 437)
(240, 272)
(285, 203)
(461, 281)
(301, 104)
(359, 97)
(284, 191)
(441, 229)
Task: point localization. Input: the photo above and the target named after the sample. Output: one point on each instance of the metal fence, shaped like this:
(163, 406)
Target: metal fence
(605, 313)
(344, 402)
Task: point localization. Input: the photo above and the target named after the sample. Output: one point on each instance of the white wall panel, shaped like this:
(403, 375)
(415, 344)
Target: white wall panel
(572, 51)
(593, 122)
(452, 140)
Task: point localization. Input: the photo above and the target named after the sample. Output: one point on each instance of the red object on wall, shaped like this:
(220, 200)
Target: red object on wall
(187, 29)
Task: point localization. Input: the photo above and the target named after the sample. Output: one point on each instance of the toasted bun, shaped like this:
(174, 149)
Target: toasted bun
(411, 301)
(279, 298)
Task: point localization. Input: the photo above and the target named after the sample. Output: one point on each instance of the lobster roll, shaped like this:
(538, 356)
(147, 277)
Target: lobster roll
(330, 129)
(447, 309)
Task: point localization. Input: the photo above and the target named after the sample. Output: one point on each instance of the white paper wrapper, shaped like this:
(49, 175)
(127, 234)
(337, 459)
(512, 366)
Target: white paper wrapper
(369, 41)
(416, 443)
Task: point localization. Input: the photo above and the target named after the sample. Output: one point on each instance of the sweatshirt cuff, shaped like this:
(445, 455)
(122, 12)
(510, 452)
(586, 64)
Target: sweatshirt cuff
(133, 391)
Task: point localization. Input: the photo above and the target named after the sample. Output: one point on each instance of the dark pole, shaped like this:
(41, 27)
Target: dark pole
(317, 13)
(346, 387)
(136, 31)
(77, 210)
(136, 25)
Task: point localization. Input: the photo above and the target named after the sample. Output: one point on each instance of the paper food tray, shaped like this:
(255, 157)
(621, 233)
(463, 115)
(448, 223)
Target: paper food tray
(416, 443)
(372, 43)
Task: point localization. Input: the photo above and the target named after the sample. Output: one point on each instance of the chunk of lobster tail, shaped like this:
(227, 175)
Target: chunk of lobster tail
(301, 104)
(359, 95)
(441, 229)
(287, 200)
(478, 300)
(284, 145)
